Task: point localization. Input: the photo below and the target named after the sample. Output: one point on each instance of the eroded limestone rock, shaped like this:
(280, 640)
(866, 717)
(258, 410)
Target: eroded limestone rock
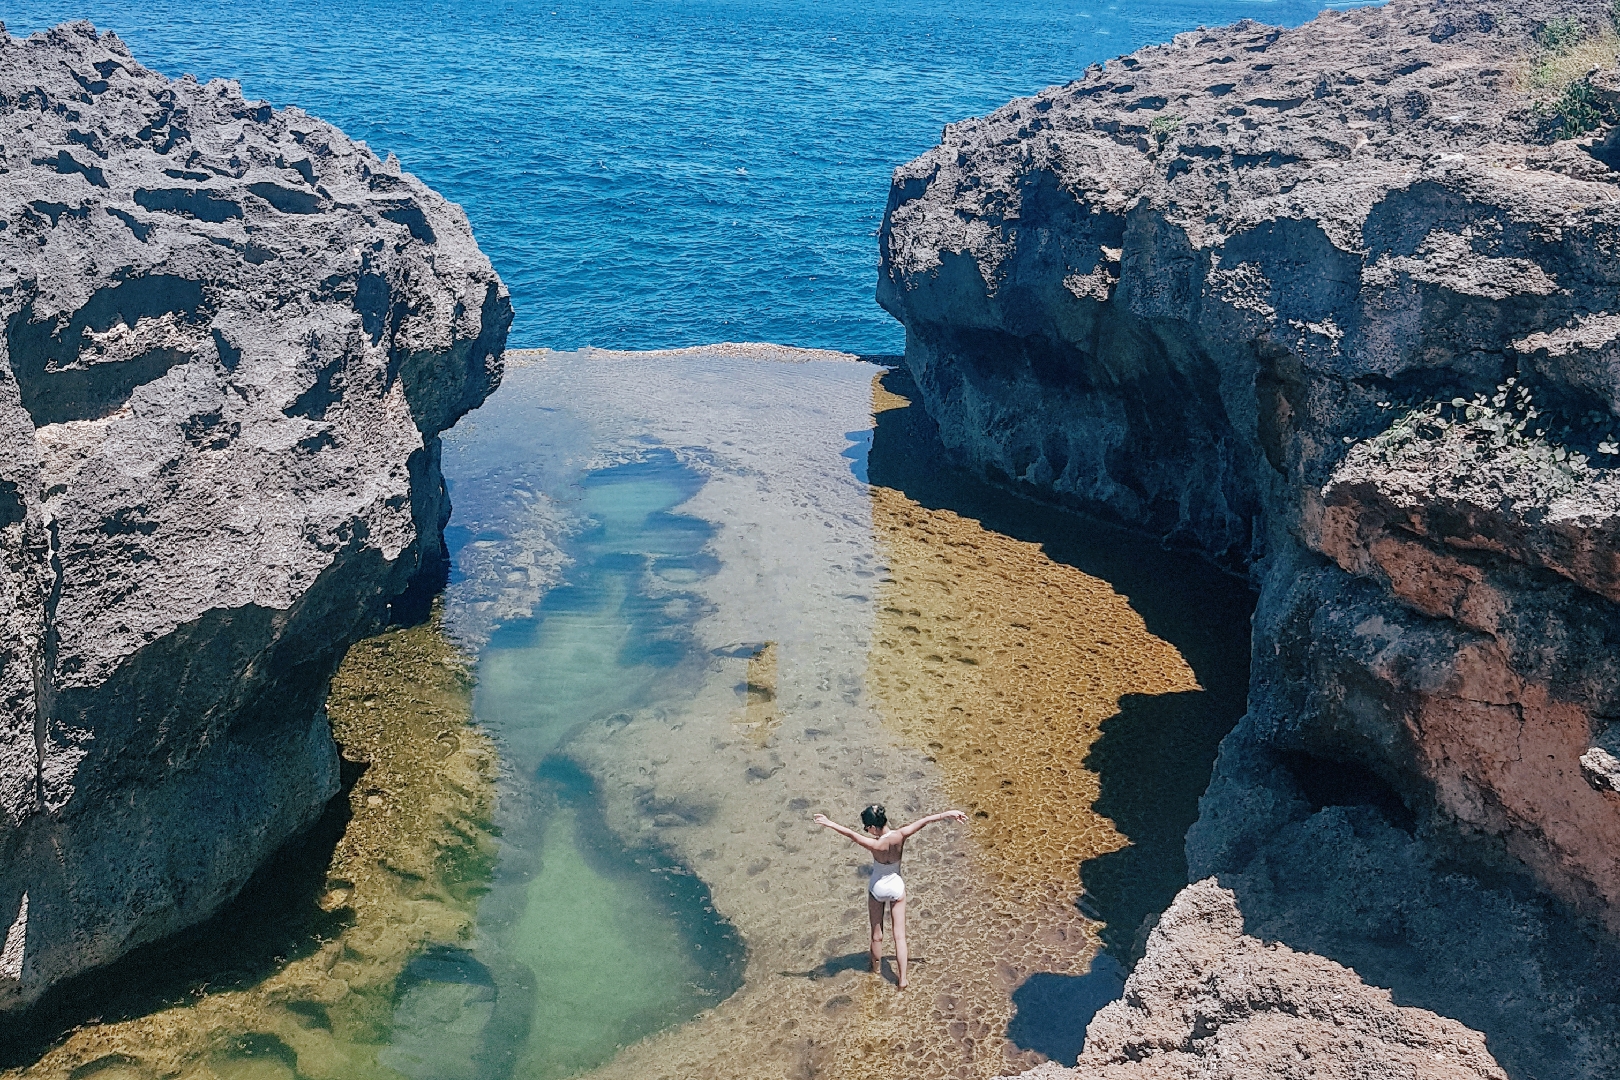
(1209, 1000)
(232, 337)
(1227, 290)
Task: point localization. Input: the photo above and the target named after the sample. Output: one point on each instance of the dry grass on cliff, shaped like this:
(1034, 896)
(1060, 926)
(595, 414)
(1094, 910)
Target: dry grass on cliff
(1554, 72)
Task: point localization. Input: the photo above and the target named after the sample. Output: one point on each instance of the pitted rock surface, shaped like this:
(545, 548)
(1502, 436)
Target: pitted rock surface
(1226, 290)
(231, 337)
(1211, 1001)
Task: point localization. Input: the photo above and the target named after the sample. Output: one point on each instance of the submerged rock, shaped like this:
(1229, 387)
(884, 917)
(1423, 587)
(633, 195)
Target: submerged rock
(232, 337)
(1339, 306)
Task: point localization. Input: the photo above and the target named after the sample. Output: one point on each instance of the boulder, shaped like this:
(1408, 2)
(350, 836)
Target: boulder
(1209, 1001)
(1338, 306)
(231, 337)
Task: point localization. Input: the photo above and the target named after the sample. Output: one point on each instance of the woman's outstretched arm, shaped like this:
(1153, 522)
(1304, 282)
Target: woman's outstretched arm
(865, 841)
(917, 826)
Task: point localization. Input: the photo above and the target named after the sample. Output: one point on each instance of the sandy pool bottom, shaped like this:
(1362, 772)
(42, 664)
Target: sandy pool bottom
(861, 648)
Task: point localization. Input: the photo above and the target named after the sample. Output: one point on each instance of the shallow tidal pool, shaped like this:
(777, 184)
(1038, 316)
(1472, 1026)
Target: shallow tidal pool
(696, 598)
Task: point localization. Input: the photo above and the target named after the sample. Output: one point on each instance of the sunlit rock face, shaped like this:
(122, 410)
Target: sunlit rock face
(1210, 1000)
(231, 339)
(1333, 306)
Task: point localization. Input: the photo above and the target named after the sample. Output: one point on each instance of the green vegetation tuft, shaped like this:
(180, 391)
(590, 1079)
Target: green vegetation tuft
(1559, 36)
(1507, 430)
(1555, 77)
(1163, 126)
(1573, 113)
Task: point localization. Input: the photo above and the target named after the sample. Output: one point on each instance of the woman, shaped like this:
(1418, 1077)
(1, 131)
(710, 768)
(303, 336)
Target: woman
(884, 887)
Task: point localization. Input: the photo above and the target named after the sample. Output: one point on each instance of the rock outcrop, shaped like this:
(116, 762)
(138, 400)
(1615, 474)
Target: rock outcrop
(1211, 1001)
(1339, 306)
(231, 338)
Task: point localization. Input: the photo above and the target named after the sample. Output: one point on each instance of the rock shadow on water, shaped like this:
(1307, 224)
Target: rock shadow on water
(1054, 1010)
(1153, 761)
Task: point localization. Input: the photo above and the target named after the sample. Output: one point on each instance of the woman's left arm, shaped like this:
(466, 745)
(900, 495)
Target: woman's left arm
(917, 826)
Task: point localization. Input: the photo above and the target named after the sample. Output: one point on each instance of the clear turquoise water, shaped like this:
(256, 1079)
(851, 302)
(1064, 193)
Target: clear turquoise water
(652, 173)
(583, 946)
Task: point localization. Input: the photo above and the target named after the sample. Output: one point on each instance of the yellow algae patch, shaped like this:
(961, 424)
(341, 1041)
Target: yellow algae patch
(1004, 664)
(884, 399)
(759, 714)
(309, 987)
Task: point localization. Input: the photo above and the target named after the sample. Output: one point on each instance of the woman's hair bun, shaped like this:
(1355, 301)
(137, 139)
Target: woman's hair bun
(873, 817)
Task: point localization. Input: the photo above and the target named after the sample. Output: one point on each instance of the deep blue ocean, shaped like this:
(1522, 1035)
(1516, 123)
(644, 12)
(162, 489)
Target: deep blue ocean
(655, 173)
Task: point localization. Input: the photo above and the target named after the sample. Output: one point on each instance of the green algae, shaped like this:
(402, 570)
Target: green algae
(296, 979)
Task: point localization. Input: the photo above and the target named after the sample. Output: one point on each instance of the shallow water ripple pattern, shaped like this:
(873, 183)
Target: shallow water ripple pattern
(815, 644)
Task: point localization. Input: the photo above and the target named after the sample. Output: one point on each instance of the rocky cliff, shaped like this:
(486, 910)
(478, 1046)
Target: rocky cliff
(231, 338)
(1340, 307)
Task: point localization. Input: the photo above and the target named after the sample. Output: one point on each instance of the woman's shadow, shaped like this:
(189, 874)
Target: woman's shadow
(855, 961)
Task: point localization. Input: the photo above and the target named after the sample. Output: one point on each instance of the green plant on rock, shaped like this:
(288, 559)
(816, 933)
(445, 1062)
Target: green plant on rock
(1507, 429)
(1560, 36)
(1555, 77)
(1573, 113)
(1163, 126)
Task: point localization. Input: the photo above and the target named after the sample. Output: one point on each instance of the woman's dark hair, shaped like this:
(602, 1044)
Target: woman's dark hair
(873, 816)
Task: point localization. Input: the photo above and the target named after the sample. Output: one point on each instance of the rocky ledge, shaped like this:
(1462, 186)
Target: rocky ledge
(1211, 1001)
(1340, 307)
(232, 337)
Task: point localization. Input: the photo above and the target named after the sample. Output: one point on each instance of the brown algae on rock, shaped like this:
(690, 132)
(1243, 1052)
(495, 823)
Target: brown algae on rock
(301, 983)
(1004, 664)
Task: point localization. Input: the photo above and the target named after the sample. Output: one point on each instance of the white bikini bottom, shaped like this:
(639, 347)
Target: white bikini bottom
(886, 884)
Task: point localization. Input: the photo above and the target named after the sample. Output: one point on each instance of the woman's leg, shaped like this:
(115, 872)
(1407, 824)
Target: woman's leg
(874, 912)
(897, 915)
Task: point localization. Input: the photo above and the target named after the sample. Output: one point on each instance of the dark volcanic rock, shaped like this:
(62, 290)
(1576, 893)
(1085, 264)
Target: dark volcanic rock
(1332, 305)
(231, 337)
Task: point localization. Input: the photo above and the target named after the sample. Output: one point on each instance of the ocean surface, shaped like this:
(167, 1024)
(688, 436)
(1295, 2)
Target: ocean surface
(655, 173)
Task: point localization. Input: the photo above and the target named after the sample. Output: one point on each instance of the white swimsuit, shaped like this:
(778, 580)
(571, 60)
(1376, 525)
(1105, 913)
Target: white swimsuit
(885, 883)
